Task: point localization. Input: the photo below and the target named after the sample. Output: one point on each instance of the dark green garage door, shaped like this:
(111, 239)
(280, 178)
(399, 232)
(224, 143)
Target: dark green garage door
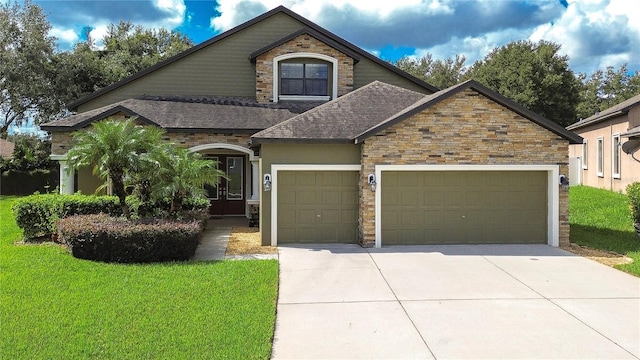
(318, 207)
(464, 207)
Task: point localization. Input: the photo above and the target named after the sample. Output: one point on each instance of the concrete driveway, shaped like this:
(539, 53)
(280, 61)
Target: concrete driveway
(444, 302)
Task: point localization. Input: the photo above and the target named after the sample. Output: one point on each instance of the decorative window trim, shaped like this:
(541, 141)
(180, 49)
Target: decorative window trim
(600, 156)
(301, 55)
(616, 156)
(585, 154)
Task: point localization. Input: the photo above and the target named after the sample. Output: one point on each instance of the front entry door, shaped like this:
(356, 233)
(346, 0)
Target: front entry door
(228, 196)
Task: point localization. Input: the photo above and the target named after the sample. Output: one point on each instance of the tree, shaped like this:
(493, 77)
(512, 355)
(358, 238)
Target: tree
(129, 49)
(115, 149)
(604, 89)
(30, 153)
(26, 71)
(534, 75)
(439, 73)
(183, 174)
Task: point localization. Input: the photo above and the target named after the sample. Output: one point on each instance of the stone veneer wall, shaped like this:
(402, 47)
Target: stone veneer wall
(467, 128)
(303, 43)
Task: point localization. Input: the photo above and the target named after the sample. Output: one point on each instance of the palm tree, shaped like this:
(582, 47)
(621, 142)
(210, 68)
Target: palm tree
(183, 174)
(115, 149)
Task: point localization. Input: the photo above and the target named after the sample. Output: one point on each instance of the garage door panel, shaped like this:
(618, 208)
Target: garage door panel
(323, 204)
(464, 207)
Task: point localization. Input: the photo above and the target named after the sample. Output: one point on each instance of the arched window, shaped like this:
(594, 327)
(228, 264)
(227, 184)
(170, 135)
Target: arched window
(305, 76)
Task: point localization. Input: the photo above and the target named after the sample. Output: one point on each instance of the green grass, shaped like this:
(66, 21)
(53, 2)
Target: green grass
(601, 219)
(53, 306)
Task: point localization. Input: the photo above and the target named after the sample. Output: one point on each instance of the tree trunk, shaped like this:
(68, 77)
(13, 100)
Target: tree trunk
(118, 189)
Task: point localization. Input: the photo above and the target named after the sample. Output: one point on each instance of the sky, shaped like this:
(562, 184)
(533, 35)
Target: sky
(593, 33)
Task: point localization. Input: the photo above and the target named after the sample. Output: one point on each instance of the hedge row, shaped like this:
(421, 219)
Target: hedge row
(109, 239)
(27, 182)
(37, 214)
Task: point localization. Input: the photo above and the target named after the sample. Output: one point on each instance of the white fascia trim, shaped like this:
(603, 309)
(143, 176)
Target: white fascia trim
(58, 157)
(295, 167)
(553, 192)
(276, 73)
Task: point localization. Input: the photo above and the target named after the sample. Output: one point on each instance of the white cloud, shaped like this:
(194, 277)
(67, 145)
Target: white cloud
(66, 37)
(175, 9)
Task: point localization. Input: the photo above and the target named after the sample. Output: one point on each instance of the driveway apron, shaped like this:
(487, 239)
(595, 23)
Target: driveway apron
(444, 302)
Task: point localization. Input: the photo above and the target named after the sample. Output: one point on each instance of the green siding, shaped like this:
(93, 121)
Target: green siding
(221, 69)
(367, 71)
(318, 207)
(343, 154)
(464, 207)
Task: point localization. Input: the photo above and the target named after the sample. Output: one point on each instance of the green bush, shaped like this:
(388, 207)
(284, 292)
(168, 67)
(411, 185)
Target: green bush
(37, 214)
(194, 207)
(109, 239)
(633, 192)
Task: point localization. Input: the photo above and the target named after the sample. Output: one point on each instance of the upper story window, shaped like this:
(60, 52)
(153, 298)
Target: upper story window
(304, 79)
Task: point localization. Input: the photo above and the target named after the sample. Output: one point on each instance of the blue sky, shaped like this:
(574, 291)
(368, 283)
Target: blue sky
(593, 33)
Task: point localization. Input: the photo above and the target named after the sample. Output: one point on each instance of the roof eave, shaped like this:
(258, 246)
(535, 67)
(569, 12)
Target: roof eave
(581, 124)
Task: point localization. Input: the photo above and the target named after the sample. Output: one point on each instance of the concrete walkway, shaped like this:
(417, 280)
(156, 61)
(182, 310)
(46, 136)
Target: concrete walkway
(213, 245)
(444, 302)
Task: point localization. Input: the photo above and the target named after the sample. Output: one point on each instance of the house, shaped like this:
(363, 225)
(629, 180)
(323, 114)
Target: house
(608, 153)
(6, 149)
(334, 145)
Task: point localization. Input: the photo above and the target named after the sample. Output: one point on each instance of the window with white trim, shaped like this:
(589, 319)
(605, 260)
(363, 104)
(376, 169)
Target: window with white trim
(305, 77)
(615, 156)
(585, 154)
(600, 157)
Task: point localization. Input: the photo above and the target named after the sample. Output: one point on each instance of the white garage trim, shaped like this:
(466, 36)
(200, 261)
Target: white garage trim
(553, 192)
(293, 167)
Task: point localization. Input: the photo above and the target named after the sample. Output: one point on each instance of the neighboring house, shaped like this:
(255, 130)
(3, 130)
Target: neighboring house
(6, 149)
(602, 157)
(335, 145)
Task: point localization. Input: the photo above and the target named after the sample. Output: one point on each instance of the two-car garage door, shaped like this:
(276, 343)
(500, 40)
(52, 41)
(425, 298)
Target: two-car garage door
(464, 207)
(417, 207)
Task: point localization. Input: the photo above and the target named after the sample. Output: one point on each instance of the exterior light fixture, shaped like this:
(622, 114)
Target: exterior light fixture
(371, 180)
(564, 183)
(266, 183)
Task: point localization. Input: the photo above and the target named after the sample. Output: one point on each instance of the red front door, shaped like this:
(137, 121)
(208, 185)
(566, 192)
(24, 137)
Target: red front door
(228, 196)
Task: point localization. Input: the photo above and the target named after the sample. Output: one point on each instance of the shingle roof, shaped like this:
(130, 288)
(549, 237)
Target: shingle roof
(202, 113)
(342, 119)
(615, 110)
(377, 106)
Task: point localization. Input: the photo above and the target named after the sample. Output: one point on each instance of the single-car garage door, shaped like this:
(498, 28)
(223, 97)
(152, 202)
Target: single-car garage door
(317, 206)
(464, 207)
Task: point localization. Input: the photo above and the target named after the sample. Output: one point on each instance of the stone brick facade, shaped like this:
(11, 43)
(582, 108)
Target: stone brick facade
(301, 44)
(466, 128)
(189, 140)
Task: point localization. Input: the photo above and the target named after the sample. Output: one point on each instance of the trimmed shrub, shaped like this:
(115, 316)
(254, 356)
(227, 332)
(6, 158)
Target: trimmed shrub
(37, 214)
(633, 192)
(194, 207)
(109, 239)
(15, 182)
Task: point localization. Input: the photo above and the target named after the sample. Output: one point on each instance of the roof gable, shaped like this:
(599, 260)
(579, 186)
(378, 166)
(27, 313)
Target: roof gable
(309, 32)
(338, 42)
(435, 98)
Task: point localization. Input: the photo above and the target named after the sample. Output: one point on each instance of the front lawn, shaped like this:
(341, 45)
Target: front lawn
(53, 306)
(601, 219)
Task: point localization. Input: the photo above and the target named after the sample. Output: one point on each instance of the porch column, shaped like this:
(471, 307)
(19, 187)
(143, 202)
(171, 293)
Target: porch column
(66, 175)
(255, 180)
